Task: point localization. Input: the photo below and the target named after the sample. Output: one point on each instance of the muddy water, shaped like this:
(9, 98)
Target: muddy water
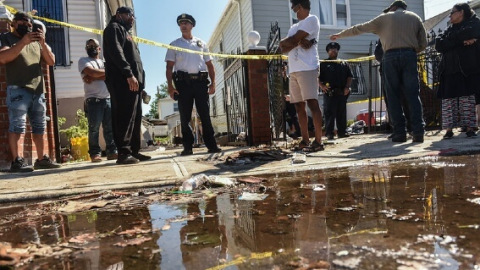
(411, 215)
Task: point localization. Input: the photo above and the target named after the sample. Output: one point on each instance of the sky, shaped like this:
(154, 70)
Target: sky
(156, 20)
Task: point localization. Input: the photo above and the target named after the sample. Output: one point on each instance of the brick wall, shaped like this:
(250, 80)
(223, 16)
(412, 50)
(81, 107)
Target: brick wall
(30, 152)
(259, 100)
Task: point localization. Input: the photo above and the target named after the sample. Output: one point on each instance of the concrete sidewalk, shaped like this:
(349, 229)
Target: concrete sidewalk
(168, 168)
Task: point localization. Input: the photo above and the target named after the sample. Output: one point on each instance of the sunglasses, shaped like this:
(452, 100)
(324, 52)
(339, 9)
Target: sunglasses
(451, 13)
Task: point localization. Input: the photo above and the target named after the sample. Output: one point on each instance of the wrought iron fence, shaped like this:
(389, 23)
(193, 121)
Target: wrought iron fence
(277, 86)
(236, 98)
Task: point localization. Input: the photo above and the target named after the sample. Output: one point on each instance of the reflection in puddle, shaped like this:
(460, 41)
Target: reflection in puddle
(412, 215)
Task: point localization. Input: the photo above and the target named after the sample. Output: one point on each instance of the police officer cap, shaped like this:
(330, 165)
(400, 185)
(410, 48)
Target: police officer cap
(22, 16)
(396, 3)
(125, 10)
(332, 45)
(185, 17)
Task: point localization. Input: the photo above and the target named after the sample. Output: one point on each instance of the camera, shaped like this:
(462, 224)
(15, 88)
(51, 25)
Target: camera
(36, 26)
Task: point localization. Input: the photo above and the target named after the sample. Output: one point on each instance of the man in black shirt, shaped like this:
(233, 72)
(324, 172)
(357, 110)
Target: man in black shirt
(334, 81)
(125, 79)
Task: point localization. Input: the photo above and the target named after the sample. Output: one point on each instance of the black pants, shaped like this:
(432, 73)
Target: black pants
(195, 91)
(126, 115)
(335, 108)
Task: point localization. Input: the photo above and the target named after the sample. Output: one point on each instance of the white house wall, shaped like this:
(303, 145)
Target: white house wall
(266, 12)
(67, 79)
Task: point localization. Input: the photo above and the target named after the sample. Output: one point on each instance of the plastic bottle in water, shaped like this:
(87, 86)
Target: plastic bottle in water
(194, 182)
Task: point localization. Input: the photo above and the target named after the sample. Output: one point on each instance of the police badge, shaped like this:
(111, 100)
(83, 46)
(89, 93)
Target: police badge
(199, 43)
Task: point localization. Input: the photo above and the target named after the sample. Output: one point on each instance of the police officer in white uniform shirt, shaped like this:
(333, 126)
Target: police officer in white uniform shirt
(188, 82)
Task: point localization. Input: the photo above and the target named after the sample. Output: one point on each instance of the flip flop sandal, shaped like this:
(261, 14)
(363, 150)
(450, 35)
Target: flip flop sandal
(314, 147)
(301, 146)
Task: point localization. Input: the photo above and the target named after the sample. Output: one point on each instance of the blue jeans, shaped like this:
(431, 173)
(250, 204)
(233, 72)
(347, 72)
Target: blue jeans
(22, 102)
(99, 111)
(401, 78)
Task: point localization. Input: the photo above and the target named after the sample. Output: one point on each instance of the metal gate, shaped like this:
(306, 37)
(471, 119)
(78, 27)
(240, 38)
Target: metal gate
(277, 85)
(236, 99)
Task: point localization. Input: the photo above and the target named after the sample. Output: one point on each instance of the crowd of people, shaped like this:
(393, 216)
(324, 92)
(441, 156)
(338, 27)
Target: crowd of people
(114, 88)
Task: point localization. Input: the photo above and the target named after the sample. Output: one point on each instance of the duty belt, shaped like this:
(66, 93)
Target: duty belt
(182, 76)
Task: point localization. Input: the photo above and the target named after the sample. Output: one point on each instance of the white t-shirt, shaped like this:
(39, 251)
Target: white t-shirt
(300, 59)
(188, 62)
(97, 88)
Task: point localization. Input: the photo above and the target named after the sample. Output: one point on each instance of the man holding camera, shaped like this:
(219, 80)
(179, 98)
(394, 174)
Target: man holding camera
(125, 79)
(189, 83)
(335, 81)
(22, 52)
(97, 102)
(303, 68)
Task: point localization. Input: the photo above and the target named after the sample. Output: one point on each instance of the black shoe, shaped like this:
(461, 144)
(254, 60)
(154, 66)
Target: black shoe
(141, 157)
(45, 163)
(417, 138)
(126, 159)
(448, 135)
(471, 133)
(215, 150)
(330, 137)
(186, 152)
(399, 138)
(390, 136)
(343, 135)
(19, 165)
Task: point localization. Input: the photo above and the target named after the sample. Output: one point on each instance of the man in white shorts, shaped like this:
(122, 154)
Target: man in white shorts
(303, 67)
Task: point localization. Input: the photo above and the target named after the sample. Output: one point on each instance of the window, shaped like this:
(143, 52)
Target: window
(56, 36)
(175, 107)
(334, 13)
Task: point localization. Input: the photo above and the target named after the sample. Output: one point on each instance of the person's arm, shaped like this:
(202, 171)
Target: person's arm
(211, 74)
(371, 26)
(289, 43)
(94, 73)
(47, 54)
(169, 74)
(422, 38)
(8, 54)
(117, 37)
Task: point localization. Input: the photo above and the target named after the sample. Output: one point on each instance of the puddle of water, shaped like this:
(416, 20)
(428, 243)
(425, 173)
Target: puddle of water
(411, 215)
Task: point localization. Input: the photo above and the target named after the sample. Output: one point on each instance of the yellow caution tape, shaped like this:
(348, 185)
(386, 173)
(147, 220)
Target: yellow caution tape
(163, 45)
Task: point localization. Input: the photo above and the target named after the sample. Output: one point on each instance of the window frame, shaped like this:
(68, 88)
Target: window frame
(315, 10)
(66, 33)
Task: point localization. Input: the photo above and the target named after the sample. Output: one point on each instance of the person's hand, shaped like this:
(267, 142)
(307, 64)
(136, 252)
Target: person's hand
(469, 42)
(287, 98)
(31, 37)
(41, 36)
(333, 37)
(211, 89)
(133, 84)
(346, 91)
(305, 44)
(87, 79)
(172, 91)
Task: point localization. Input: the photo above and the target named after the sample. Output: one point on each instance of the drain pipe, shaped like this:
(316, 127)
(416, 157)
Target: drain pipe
(240, 23)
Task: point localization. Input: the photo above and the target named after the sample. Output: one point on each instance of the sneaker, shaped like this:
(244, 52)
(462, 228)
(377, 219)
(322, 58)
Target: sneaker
(399, 138)
(127, 159)
(19, 165)
(96, 158)
(448, 135)
(471, 133)
(186, 152)
(141, 157)
(417, 138)
(45, 163)
(215, 150)
(112, 156)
